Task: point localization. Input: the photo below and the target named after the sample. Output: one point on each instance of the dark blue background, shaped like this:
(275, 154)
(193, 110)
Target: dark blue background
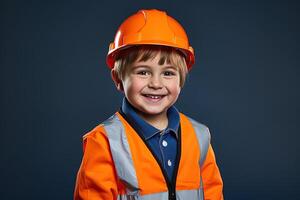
(55, 87)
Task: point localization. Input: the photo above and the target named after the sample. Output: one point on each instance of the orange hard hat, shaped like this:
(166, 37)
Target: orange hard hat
(150, 27)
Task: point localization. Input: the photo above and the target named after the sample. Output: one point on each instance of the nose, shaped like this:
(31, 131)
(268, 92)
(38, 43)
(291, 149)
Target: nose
(155, 82)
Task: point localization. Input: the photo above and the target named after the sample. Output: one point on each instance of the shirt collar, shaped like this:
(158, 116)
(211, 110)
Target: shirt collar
(144, 127)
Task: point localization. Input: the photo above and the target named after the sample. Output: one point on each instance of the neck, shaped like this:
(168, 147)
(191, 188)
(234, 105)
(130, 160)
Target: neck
(159, 121)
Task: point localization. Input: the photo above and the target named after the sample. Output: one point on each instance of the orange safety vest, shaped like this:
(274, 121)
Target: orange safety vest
(117, 164)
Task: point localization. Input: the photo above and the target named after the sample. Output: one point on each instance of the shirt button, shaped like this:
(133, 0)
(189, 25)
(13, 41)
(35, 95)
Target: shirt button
(164, 143)
(169, 163)
(172, 195)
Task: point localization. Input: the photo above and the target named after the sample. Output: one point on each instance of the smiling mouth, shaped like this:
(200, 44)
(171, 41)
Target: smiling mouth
(154, 97)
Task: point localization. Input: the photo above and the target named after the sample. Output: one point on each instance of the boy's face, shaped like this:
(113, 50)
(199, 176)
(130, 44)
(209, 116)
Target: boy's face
(151, 88)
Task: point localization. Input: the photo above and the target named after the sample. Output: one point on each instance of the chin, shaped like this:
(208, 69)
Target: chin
(153, 112)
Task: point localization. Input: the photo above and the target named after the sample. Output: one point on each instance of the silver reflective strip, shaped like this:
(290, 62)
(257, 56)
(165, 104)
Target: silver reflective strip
(190, 194)
(180, 195)
(203, 137)
(155, 196)
(121, 154)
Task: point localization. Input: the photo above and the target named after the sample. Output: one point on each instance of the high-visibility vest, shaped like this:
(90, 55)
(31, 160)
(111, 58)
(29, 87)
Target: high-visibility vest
(118, 164)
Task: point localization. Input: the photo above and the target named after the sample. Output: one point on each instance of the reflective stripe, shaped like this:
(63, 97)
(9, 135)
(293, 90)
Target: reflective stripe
(180, 195)
(155, 196)
(203, 137)
(121, 154)
(190, 195)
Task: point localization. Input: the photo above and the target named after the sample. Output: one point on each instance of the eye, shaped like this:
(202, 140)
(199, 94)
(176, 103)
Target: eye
(169, 73)
(143, 73)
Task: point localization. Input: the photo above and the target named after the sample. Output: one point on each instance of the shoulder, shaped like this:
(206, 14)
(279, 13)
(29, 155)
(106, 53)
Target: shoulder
(100, 129)
(200, 128)
(203, 136)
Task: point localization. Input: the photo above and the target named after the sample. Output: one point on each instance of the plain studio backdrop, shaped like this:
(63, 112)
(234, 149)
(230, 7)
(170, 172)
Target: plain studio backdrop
(55, 87)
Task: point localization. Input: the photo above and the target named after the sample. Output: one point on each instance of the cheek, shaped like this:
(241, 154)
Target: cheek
(174, 87)
(132, 86)
(177, 91)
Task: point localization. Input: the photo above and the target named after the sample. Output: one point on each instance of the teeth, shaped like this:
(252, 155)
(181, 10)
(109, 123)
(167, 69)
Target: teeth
(153, 97)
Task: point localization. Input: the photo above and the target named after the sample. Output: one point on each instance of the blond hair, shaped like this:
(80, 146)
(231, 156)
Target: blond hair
(145, 52)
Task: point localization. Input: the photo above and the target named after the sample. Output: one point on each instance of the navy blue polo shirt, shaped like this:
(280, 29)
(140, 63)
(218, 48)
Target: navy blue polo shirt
(163, 143)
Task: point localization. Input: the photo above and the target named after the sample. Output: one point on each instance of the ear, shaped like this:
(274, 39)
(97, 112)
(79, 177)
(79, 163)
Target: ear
(117, 80)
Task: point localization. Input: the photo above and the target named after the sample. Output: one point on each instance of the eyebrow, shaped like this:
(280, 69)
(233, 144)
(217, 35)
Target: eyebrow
(140, 66)
(147, 66)
(170, 67)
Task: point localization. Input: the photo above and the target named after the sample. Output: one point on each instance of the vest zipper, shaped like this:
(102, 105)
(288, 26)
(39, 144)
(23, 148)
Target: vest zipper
(170, 184)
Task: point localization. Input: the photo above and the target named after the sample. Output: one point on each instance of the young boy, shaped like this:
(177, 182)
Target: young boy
(148, 150)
